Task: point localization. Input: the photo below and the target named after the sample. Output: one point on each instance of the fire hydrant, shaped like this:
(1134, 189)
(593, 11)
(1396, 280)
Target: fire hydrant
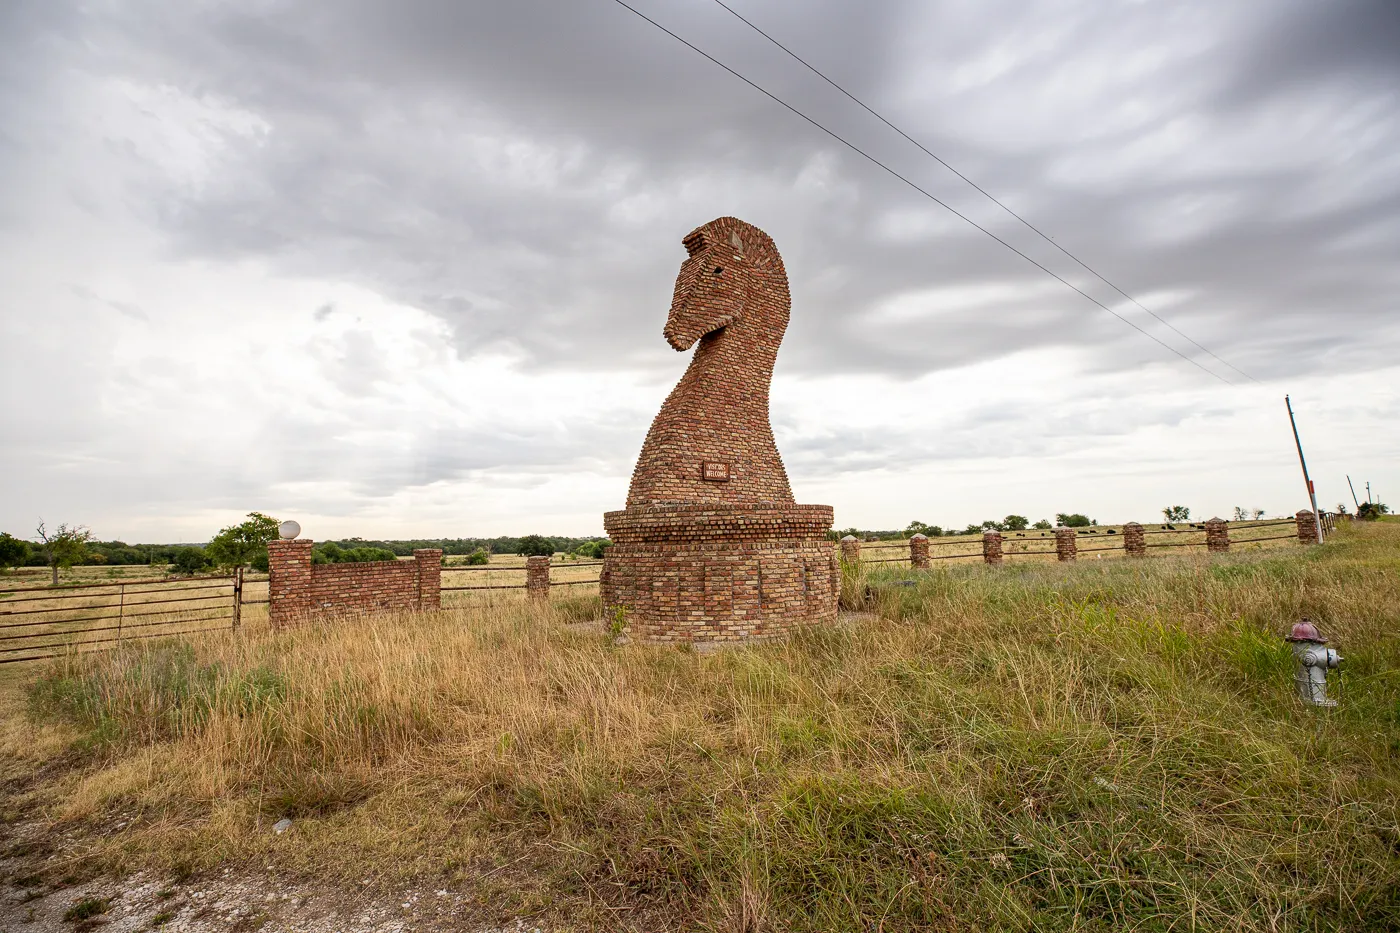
(1313, 661)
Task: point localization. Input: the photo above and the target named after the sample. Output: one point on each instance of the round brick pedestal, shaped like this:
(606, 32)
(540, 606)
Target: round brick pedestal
(709, 572)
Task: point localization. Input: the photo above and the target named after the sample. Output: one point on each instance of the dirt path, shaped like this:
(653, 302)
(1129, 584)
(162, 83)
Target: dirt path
(229, 902)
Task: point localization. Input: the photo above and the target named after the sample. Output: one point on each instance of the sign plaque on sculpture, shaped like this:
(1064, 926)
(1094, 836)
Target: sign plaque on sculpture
(723, 552)
(715, 472)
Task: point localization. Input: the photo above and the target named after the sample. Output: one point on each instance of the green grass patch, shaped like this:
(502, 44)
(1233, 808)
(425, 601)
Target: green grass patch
(1101, 746)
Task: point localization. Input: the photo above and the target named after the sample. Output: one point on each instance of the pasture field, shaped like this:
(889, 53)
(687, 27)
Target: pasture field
(96, 608)
(1105, 745)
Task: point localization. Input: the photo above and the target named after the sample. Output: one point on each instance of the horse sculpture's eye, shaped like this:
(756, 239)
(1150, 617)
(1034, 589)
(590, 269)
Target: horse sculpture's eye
(719, 269)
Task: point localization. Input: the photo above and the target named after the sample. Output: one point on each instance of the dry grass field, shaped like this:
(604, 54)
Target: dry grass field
(1107, 745)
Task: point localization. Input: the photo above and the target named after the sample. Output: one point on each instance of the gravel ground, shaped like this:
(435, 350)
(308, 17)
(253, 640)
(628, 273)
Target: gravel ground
(226, 903)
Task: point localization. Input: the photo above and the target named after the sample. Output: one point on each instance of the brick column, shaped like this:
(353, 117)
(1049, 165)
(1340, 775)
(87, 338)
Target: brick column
(288, 579)
(1133, 541)
(1217, 535)
(850, 550)
(1065, 546)
(428, 563)
(918, 552)
(537, 577)
(1307, 526)
(991, 547)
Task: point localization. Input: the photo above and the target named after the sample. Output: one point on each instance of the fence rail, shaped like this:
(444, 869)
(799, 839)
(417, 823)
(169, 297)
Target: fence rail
(1065, 544)
(42, 622)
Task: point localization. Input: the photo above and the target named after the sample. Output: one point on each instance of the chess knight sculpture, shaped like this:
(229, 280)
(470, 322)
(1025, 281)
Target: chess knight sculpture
(712, 546)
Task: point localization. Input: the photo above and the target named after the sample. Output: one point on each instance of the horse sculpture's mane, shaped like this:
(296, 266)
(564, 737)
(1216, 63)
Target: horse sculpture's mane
(757, 246)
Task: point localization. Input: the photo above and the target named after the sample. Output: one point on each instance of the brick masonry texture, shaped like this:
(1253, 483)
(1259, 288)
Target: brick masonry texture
(1217, 535)
(1307, 526)
(850, 550)
(1065, 546)
(298, 589)
(1134, 542)
(712, 545)
(991, 547)
(918, 552)
(537, 576)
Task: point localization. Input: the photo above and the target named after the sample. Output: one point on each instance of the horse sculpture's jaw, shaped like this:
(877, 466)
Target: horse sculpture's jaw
(683, 342)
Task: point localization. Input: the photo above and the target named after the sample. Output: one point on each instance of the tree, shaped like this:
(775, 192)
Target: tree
(1015, 522)
(535, 546)
(14, 552)
(1073, 520)
(64, 547)
(478, 558)
(190, 560)
(1177, 513)
(1370, 511)
(244, 543)
(1043, 525)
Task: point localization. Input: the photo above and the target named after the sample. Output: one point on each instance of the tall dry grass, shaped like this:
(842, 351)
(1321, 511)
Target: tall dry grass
(1103, 746)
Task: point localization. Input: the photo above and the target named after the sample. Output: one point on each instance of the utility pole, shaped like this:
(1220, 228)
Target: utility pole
(1317, 516)
(1353, 494)
(1368, 492)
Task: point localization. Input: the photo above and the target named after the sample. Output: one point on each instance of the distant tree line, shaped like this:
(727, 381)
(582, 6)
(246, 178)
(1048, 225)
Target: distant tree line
(245, 545)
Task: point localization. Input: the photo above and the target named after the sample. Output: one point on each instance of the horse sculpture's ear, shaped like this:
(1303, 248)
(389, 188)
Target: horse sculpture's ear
(735, 239)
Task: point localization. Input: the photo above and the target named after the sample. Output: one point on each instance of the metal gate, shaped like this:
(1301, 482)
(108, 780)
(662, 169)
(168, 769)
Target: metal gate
(41, 622)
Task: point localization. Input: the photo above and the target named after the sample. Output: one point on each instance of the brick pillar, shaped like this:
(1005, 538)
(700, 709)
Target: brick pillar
(850, 550)
(991, 547)
(1133, 541)
(1217, 535)
(537, 577)
(1307, 526)
(428, 561)
(918, 552)
(288, 579)
(1065, 546)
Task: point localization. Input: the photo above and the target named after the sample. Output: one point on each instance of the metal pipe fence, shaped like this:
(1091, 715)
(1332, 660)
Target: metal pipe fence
(42, 622)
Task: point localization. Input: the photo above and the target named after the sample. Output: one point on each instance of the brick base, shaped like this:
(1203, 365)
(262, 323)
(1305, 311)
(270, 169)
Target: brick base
(708, 572)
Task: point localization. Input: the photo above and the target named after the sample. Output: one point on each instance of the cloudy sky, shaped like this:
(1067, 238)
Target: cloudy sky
(400, 268)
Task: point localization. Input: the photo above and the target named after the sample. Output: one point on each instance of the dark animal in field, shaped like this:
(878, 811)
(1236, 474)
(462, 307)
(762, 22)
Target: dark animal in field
(1112, 532)
(1169, 528)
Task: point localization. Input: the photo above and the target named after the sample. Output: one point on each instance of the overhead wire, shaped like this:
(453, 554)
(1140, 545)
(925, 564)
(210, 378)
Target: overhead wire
(987, 194)
(956, 213)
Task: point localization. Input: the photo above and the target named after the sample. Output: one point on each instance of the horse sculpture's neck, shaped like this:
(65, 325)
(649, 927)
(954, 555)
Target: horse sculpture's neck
(712, 440)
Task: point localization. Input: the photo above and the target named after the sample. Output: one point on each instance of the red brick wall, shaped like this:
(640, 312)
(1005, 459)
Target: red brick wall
(537, 576)
(297, 588)
(1066, 547)
(1217, 535)
(918, 552)
(1134, 543)
(991, 547)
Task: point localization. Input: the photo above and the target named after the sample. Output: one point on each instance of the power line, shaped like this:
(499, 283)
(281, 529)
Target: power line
(1038, 232)
(867, 156)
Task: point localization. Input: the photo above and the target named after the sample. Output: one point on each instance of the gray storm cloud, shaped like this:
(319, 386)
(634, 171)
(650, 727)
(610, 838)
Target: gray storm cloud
(522, 172)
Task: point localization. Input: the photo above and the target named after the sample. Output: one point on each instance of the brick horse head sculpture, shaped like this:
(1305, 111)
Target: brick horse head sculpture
(712, 545)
